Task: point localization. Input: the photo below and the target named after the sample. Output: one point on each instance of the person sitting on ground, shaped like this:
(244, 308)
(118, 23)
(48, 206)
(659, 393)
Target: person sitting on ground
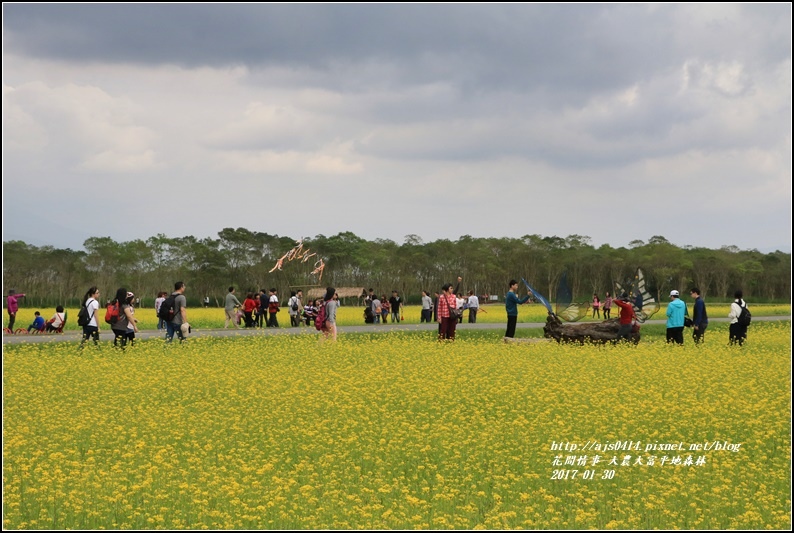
(38, 323)
(310, 312)
(57, 320)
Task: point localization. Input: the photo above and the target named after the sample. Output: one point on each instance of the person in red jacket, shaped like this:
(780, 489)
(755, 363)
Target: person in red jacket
(249, 306)
(626, 316)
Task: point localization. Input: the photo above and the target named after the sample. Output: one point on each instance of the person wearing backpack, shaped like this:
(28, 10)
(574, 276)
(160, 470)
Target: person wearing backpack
(180, 314)
(294, 308)
(125, 317)
(91, 325)
(157, 303)
(330, 306)
(737, 330)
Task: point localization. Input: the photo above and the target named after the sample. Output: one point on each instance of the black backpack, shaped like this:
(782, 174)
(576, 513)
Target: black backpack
(83, 317)
(166, 311)
(745, 317)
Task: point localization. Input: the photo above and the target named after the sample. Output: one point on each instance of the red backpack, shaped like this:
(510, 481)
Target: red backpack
(319, 321)
(112, 313)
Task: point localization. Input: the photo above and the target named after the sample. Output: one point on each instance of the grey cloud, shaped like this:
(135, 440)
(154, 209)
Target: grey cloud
(563, 53)
(570, 46)
(389, 99)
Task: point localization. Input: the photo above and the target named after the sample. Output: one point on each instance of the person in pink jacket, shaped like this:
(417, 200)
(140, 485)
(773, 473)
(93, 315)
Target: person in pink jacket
(12, 306)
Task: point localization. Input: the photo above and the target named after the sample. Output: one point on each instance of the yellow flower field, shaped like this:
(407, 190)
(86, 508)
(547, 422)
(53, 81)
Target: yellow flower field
(213, 317)
(398, 431)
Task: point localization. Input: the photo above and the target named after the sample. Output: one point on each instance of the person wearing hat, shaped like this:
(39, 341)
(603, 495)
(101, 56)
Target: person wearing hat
(626, 316)
(676, 311)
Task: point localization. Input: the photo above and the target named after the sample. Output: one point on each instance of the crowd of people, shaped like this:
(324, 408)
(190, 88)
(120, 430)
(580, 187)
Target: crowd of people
(446, 308)
(120, 315)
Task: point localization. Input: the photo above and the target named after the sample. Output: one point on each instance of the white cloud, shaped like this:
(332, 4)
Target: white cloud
(291, 162)
(75, 126)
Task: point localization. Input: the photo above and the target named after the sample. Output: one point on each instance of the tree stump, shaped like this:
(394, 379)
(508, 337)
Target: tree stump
(592, 332)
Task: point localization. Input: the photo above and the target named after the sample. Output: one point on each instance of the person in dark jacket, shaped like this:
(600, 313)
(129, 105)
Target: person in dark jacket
(512, 302)
(700, 319)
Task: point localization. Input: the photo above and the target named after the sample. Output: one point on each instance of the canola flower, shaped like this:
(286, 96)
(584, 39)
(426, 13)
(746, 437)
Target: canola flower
(393, 431)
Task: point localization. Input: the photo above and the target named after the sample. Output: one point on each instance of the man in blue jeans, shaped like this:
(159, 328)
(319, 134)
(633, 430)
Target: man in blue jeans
(180, 314)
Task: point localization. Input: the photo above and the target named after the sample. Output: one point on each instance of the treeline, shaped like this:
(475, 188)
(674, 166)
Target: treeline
(243, 258)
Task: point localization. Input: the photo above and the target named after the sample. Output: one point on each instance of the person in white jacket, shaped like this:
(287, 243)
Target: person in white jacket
(738, 332)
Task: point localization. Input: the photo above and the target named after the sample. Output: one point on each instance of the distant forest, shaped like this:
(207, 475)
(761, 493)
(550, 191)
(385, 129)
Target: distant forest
(242, 258)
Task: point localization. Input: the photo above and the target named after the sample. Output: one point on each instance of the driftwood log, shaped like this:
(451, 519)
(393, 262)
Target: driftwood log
(595, 332)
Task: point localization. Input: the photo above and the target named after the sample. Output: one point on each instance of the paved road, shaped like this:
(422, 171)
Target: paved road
(106, 334)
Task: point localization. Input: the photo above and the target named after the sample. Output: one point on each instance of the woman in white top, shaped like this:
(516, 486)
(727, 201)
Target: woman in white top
(473, 304)
(157, 303)
(462, 305)
(57, 320)
(91, 303)
(737, 332)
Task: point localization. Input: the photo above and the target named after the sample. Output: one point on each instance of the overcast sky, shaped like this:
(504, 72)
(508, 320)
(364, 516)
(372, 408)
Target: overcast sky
(619, 122)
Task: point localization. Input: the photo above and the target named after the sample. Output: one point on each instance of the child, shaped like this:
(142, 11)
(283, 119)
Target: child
(38, 323)
(309, 312)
